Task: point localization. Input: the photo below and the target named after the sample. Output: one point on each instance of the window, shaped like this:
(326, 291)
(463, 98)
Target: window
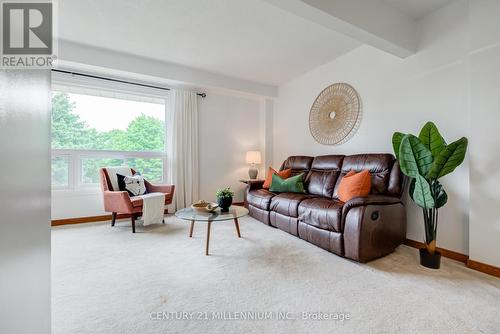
(92, 129)
(60, 171)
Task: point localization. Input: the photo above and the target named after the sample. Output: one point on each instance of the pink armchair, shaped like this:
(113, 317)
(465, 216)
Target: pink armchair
(119, 202)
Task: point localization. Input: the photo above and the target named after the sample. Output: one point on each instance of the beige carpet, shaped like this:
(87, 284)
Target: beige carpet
(108, 280)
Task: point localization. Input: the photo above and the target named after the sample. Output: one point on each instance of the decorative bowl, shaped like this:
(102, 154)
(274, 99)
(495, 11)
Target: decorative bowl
(204, 207)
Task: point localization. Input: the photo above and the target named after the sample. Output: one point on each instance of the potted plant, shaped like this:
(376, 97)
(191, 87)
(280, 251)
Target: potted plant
(425, 159)
(224, 198)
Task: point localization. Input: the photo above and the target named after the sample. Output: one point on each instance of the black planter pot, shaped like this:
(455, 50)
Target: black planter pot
(432, 261)
(224, 203)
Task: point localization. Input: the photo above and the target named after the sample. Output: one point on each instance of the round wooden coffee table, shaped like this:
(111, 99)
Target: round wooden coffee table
(233, 214)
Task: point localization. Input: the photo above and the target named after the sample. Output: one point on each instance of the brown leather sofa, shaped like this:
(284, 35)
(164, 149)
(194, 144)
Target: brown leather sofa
(361, 229)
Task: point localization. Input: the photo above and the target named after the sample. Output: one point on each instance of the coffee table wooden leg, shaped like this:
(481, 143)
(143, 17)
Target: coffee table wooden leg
(208, 237)
(237, 227)
(191, 229)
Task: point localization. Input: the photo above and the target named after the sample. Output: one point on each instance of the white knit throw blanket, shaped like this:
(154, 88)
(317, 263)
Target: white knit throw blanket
(153, 208)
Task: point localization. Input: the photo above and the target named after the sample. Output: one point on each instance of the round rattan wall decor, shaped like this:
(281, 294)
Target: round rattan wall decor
(335, 115)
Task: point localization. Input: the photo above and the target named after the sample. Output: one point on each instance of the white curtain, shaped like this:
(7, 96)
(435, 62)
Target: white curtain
(182, 146)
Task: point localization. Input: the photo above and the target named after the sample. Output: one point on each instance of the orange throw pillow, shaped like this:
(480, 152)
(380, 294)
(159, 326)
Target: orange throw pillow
(354, 185)
(284, 174)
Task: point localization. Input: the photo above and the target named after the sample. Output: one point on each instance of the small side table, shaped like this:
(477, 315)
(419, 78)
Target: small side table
(246, 181)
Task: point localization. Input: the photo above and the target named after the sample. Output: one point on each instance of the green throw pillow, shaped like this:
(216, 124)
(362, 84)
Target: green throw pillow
(294, 184)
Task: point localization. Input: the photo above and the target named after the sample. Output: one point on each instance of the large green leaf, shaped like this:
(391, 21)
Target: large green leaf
(449, 159)
(440, 196)
(411, 189)
(422, 194)
(432, 139)
(396, 142)
(414, 158)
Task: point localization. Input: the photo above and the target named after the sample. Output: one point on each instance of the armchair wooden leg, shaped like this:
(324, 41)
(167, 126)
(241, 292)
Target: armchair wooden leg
(165, 212)
(132, 218)
(113, 218)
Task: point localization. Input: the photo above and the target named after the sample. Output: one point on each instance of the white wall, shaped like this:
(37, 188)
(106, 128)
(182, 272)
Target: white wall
(77, 203)
(397, 95)
(485, 135)
(229, 126)
(24, 202)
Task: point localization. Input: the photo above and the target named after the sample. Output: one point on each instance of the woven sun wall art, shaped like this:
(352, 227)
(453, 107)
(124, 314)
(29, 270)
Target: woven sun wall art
(335, 115)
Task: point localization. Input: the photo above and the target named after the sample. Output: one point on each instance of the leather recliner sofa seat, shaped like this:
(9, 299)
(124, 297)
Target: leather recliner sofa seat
(362, 229)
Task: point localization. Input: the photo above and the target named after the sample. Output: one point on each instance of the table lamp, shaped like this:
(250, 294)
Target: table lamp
(253, 157)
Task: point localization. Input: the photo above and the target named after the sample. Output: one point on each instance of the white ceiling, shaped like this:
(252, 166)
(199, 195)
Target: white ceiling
(246, 39)
(416, 9)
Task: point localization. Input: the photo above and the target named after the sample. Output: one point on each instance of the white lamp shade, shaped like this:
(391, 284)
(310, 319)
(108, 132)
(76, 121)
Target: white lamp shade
(253, 157)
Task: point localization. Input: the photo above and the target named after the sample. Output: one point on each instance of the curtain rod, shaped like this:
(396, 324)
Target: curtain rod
(117, 80)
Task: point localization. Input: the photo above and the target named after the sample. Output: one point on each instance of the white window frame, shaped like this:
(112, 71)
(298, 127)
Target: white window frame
(75, 156)
(62, 154)
(75, 164)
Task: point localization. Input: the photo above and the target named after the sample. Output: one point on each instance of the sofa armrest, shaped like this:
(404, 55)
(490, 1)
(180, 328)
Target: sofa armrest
(255, 184)
(167, 189)
(372, 226)
(369, 200)
(117, 201)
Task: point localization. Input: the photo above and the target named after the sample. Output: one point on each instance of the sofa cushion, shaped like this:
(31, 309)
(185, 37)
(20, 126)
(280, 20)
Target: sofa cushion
(259, 214)
(294, 184)
(379, 165)
(298, 164)
(323, 175)
(260, 198)
(284, 223)
(288, 203)
(331, 241)
(284, 174)
(323, 213)
(355, 185)
(396, 181)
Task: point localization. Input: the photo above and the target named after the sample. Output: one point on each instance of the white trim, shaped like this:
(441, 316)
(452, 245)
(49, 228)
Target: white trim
(70, 171)
(108, 153)
(91, 86)
(75, 158)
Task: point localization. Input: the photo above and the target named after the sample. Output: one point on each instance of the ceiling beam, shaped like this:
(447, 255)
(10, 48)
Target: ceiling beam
(371, 22)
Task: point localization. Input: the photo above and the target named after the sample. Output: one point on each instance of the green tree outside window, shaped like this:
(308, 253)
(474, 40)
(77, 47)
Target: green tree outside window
(69, 131)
